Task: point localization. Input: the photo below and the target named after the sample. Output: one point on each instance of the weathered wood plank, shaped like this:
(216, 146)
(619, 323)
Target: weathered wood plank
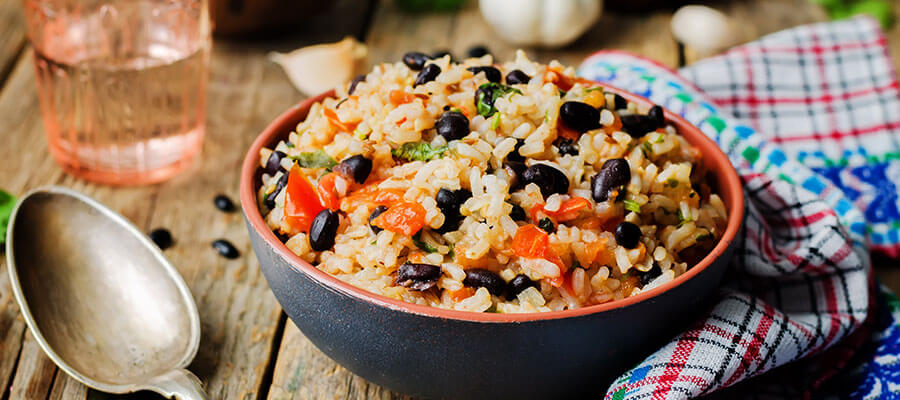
(34, 374)
(12, 35)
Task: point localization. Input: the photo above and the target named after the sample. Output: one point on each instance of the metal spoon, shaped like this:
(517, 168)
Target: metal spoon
(100, 298)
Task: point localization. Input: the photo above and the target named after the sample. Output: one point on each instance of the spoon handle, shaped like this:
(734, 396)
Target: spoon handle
(179, 384)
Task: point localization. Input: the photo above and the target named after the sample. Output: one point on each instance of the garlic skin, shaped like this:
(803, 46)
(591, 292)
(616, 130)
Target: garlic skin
(319, 68)
(704, 30)
(547, 23)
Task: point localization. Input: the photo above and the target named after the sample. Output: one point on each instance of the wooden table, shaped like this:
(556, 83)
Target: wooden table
(249, 349)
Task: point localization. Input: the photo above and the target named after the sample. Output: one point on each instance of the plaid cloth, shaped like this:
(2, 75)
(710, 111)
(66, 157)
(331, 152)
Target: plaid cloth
(808, 116)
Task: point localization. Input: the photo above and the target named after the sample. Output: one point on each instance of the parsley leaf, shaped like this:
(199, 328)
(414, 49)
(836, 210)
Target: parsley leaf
(672, 183)
(490, 92)
(632, 205)
(315, 159)
(417, 240)
(683, 219)
(7, 202)
(496, 122)
(647, 148)
(419, 151)
(547, 225)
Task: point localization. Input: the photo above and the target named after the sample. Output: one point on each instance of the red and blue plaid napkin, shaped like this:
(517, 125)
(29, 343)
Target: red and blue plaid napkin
(810, 119)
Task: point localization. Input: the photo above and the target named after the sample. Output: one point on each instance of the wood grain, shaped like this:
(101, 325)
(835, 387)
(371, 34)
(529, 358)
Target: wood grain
(12, 35)
(35, 372)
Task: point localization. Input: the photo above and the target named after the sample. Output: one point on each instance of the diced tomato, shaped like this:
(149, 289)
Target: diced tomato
(562, 130)
(371, 194)
(301, 201)
(530, 242)
(404, 218)
(398, 97)
(570, 209)
(387, 197)
(333, 119)
(327, 192)
(563, 81)
(461, 294)
(557, 281)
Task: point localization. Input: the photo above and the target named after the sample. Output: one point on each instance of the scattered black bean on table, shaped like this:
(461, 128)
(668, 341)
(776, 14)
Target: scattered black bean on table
(226, 249)
(223, 203)
(418, 276)
(478, 277)
(516, 77)
(613, 174)
(452, 125)
(427, 74)
(162, 237)
(628, 235)
(549, 179)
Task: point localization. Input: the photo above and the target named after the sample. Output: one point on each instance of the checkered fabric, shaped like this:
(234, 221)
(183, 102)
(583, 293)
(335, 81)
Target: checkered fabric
(806, 116)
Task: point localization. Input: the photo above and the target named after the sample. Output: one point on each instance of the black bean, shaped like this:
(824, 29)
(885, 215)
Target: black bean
(656, 113)
(579, 116)
(415, 60)
(427, 74)
(518, 285)
(492, 74)
(452, 125)
(223, 203)
(515, 169)
(484, 94)
(638, 125)
(653, 273)
(162, 237)
(323, 229)
(619, 102)
(612, 175)
(418, 276)
(282, 236)
(449, 201)
(273, 164)
(446, 199)
(549, 179)
(628, 235)
(547, 225)
(356, 81)
(226, 249)
(518, 213)
(566, 146)
(516, 77)
(477, 51)
(478, 277)
(376, 212)
(441, 54)
(282, 182)
(356, 167)
(514, 155)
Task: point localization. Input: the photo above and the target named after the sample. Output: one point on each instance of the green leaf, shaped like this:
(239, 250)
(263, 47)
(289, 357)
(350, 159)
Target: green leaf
(419, 151)
(672, 183)
(632, 205)
(547, 225)
(683, 219)
(417, 240)
(485, 106)
(315, 159)
(7, 202)
(647, 148)
(496, 122)
(593, 89)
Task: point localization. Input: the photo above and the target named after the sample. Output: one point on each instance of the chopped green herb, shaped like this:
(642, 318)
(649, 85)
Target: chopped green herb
(632, 205)
(417, 240)
(289, 144)
(315, 159)
(359, 135)
(593, 89)
(547, 116)
(374, 241)
(672, 183)
(647, 148)
(419, 151)
(456, 109)
(496, 122)
(683, 219)
(451, 254)
(485, 106)
(705, 236)
(659, 138)
(575, 264)
(7, 201)
(547, 225)
(562, 93)
(492, 309)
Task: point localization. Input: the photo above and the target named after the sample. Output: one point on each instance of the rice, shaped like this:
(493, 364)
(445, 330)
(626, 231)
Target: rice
(490, 207)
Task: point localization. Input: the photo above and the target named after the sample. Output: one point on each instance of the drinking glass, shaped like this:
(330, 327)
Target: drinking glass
(122, 85)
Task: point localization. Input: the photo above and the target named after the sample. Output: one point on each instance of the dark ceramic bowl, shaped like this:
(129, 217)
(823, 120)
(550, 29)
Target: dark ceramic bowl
(438, 353)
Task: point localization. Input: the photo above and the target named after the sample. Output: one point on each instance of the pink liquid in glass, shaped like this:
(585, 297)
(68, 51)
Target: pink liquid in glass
(122, 85)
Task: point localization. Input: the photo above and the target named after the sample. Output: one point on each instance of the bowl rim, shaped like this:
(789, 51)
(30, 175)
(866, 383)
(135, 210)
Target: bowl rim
(278, 127)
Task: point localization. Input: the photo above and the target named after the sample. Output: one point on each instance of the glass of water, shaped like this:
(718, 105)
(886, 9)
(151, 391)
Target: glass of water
(122, 84)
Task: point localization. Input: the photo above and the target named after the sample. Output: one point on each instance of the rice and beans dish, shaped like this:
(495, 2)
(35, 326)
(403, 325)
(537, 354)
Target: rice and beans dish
(489, 187)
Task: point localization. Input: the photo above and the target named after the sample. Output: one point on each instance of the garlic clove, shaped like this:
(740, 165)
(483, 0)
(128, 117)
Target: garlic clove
(319, 68)
(704, 30)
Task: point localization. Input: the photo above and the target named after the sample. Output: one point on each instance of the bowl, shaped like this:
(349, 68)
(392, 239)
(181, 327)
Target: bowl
(437, 353)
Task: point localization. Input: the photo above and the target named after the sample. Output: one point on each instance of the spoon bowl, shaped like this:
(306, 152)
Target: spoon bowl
(100, 298)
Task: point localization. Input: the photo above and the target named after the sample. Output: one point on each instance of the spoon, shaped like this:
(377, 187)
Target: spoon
(100, 298)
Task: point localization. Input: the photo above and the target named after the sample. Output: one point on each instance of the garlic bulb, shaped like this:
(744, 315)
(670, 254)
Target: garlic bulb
(550, 23)
(704, 30)
(319, 68)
